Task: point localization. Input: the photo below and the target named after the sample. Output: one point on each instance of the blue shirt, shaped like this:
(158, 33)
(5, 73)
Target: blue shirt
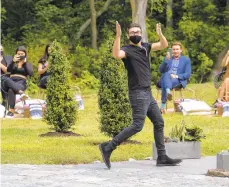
(174, 67)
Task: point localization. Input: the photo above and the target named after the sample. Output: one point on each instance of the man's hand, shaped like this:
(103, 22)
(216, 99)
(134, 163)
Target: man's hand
(158, 29)
(174, 76)
(118, 30)
(163, 43)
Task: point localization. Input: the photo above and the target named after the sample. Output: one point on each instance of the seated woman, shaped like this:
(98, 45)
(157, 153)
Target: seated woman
(42, 68)
(19, 70)
(223, 91)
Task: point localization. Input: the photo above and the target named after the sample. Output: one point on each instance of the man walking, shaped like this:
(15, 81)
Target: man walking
(136, 60)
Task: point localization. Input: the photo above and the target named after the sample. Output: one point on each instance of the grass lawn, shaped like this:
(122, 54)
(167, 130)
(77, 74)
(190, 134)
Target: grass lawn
(21, 142)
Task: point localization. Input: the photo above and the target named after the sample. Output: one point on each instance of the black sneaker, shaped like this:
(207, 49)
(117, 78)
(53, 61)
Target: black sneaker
(9, 115)
(106, 151)
(164, 160)
(169, 96)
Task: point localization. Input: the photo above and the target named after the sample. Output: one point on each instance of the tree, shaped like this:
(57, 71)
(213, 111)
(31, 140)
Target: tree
(115, 112)
(38, 22)
(227, 15)
(139, 15)
(87, 23)
(204, 67)
(169, 14)
(61, 105)
(93, 25)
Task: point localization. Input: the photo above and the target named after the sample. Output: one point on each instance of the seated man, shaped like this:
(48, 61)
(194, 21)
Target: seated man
(176, 70)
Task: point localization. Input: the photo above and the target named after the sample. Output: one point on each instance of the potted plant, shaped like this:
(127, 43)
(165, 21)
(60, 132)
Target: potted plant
(183, 142)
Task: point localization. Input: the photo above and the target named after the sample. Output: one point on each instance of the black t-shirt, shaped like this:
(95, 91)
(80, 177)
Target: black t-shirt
(25, 70)
(138, 66)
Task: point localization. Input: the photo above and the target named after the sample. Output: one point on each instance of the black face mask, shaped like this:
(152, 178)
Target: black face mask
(135, 39)
(1, 53)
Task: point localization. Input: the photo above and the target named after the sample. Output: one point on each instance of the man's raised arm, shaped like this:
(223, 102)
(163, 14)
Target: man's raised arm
(163, 43)
(225, 60)
(116, 52)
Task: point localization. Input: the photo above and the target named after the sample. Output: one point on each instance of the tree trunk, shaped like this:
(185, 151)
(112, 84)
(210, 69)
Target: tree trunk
(169, 14)
(87, 23)
(201, 79)
(227, 16)
(139, 14)
(93, 25)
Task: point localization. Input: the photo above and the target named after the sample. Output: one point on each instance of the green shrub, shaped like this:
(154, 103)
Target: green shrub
(86, 59)
(32, 88)
(87, 81)
(194, 133)
(115, 112)
(61, 105)
(186, 133)
(178, 132)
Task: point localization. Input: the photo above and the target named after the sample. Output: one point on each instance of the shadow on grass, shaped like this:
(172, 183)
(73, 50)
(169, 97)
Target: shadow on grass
(123, 143)
(59, 134)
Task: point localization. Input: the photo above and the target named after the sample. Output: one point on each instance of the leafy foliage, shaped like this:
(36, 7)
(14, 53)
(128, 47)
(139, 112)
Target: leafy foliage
(183, 133)
(178, 132)
(61, 105)
(87, 81)
(204, 33)
(205, 65)
(115, 112)
(194, 133)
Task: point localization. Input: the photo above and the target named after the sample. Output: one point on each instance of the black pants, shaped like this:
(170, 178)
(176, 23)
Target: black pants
(3, 92)
(43, 82)
(143, 104)
(11, 88)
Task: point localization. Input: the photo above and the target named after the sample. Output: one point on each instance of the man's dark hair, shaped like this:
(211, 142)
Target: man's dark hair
(133, 25)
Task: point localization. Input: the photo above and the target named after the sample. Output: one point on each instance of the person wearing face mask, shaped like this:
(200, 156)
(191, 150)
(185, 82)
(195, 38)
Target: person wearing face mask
(135, 56)
(176, 70)
(43, 66)
(19, 70)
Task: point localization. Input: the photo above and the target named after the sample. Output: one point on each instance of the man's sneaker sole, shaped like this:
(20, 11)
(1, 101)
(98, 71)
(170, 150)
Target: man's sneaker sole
(101, 150)
(175, 164)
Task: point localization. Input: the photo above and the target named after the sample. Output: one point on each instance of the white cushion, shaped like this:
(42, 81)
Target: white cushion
(195, 106)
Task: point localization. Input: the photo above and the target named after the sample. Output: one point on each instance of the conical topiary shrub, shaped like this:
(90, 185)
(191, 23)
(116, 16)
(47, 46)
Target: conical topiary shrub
(115, 112)
(61, 106)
